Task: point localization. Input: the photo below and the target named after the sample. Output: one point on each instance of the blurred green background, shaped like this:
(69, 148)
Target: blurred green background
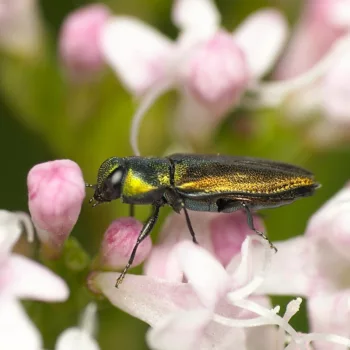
(44, 117)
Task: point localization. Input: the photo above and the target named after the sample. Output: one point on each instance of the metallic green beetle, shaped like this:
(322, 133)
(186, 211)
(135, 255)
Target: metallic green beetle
(211, 183)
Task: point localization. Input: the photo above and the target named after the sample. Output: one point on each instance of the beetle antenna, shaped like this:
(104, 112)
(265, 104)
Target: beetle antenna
(90, 185)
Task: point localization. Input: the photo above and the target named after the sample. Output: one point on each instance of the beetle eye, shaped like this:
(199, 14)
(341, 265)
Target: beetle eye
(116, 177)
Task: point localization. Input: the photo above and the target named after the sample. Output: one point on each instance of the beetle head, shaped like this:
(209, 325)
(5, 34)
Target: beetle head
(109, 181)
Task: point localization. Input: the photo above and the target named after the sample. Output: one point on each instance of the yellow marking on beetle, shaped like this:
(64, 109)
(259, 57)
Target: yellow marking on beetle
(233, 184)
(164, 179)
(134, 185)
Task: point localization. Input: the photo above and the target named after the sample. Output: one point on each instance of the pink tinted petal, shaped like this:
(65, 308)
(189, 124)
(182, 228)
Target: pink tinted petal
(162, 263)
(217, 336)
(193, 120)
(312, 38)
(136, 52)
(332, 223)
(56, 191)
(218, 73)
(262, 338)
(17, 331)
(144, 297)
(79, 42)
(291, 269)
(339, 13)
(228, 232)
(196, 15)
(261, 37)
(119, 241)
(330, 314)
(29, 280)
(336, 91)
(75, 338)
(10, 231)
(181, 330)
(205, 274)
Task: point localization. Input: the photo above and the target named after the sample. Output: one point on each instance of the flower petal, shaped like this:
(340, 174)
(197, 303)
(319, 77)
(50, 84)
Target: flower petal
(137, 52)
(76, 338)
(217, 73)
(330, 314)
(289, 273)
(56, 191)
(119, 241)
(179, 331)
(219, 337)
(10, 231)
(30, 280)
(196, 15)
(162, 263)
(79, 41)
(146, 298)
(16, 329)
(336, 91)
(261, 37)
(205, 274)
(331, 222)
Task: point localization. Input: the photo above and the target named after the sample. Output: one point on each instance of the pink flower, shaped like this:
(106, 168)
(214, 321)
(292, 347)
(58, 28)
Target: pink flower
(321, 24)
(209, 308)
(214, 66)
(221, 234)
(335, 92)
(79, 45)
(180, 313)
(317, 266)
(56, 191)
(118, 242)
(20, 27)
(21, 278)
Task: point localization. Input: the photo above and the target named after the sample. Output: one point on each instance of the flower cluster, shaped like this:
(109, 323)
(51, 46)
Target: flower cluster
(215, 295)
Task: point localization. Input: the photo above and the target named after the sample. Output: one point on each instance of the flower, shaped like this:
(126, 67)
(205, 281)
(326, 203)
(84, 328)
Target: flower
(209, 308)
(22, 278)
(80, 337)
(210, 66)
(220, 234)
(316, 266)
(79, 46)
(320, 25)
(56, 191)
(20, 27)
(118, 243)
(323, 25)
(181, 313)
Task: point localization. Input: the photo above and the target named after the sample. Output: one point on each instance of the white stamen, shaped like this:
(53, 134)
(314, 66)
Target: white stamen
(88, 319)
(27, 223)
(144, 106)
(272, 94)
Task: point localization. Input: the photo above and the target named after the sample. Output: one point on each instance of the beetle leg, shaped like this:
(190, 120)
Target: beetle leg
(189, 225)
(251, 225)
(132, 210)
(146, 230)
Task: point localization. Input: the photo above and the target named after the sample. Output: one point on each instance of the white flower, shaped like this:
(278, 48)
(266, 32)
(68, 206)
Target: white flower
(22, 278)
(212, 68)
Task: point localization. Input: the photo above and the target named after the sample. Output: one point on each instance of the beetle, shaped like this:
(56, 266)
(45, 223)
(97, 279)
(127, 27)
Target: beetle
(208, 183)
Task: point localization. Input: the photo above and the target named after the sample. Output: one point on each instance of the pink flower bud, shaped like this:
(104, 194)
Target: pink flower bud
(79, 44)
(56, 191)
(228, 232)
(218, 73)
(119, 241)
